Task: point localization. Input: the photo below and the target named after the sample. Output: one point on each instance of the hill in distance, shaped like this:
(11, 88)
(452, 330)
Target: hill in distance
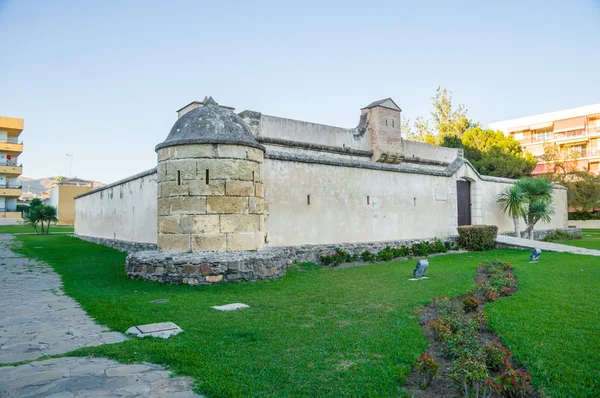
(39, 185)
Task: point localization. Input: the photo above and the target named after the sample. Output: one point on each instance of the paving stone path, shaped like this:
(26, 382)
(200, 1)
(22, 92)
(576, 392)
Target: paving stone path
(37, 319)
(545, 246)
(90, 377)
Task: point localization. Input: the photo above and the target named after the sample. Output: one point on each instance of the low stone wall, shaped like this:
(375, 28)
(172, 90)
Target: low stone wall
(313, 253)
(220, 267)
(207, 268)
(588, 224)
(120, 245)
(541, 234)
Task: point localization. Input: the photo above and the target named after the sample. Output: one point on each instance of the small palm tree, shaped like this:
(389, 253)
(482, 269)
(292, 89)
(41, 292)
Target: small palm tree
(539, 199)
(47, 214)
(512, 201)
(530, 198)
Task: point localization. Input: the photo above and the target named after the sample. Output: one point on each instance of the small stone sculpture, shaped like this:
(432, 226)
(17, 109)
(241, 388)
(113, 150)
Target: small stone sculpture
(420, 268)
(535, 255)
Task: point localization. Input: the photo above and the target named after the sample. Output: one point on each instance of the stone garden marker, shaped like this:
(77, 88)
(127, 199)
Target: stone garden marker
(420, 268)
(535, 255)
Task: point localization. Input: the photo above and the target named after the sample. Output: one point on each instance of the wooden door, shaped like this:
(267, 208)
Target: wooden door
(463, 196)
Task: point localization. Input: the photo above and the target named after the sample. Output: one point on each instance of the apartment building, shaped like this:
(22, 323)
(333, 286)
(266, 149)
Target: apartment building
(10, 168)
(62, 196)
(574, 132)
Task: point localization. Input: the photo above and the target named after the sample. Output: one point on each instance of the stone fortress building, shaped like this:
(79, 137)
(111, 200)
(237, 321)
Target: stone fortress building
(240, 195)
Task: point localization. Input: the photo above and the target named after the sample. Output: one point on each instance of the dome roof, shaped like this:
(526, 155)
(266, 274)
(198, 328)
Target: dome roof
(210, 124)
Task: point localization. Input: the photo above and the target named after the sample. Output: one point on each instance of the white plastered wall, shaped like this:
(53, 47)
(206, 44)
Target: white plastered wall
(125, 211)
(400, 205)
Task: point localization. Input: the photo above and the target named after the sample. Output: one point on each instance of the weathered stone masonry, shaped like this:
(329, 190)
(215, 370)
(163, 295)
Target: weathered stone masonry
(210, 198)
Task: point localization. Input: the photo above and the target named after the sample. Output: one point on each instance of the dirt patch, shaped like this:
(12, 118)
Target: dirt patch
(442, 385)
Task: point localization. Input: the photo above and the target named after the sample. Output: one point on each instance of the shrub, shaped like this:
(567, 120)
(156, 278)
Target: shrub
(496, 355)
(438, 246)
(583, 215)
(463, 342)
(421, 249)
(471, 375)
(428, 368)
(368, 256)
(492, 295)
(331, 259)
(385, 255)
(441, 329)
(401, 251)
(513, 383)
(477, 237)
(470, 304)
(481, 319)
(559, 234)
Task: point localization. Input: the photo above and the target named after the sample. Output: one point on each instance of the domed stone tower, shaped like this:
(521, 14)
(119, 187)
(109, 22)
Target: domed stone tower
(210, 184)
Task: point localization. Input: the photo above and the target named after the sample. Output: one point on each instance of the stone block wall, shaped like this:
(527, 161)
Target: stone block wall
(211, 198)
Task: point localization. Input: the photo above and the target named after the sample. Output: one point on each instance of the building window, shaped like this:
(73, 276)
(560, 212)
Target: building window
(544, 135)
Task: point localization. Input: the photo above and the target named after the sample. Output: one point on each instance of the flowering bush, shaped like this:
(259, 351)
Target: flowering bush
(421, 249)
(438, 246)
(428, 368)
(472, 376)
(492, 295)
(481, 319)
(514, 383)
(470, 304)
(496, 355)
(441, 328)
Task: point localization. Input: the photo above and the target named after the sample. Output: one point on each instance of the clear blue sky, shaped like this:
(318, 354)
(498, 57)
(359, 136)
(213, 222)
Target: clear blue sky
(102, 79)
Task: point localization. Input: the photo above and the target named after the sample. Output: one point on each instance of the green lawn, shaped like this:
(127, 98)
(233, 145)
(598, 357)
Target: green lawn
(16, 229)
(552, 324)
(589, 240)
(326, 332)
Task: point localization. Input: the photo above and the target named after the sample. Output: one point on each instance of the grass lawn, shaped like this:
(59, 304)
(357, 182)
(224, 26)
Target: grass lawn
(589, 240)
(552, 324)
(16, 229)
(332, 332)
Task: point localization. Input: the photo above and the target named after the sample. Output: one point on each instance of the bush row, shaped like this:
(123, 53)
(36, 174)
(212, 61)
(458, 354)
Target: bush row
(583, 215)
(421, 249)
(458, 333)
(560, 235)
(477, 237)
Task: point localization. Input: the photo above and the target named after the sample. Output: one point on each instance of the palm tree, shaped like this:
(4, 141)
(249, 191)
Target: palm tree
(512, 202)
(47, 214)
(539, 199)
(530, 198)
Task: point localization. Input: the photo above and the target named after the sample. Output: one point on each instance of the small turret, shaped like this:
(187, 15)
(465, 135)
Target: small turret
(210, 184)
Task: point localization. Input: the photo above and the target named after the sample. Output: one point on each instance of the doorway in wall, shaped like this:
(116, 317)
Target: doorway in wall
(463, 199)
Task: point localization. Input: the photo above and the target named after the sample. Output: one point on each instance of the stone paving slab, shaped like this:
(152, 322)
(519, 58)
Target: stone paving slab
(545, 246)
(91, 377)
(36, 317)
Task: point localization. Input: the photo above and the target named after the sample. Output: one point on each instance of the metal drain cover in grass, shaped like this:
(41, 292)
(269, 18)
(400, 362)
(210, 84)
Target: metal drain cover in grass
(160, 301)
(231, 307)
(162, 329)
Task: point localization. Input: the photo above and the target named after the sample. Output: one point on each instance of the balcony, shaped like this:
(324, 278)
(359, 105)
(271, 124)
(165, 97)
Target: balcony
(10, 169)
(9, 213)
(11, 145)
(11, 190)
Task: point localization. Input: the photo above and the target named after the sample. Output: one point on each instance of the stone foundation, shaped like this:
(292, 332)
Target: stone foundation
(207, 268)
(219, 267)
(120, 245)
